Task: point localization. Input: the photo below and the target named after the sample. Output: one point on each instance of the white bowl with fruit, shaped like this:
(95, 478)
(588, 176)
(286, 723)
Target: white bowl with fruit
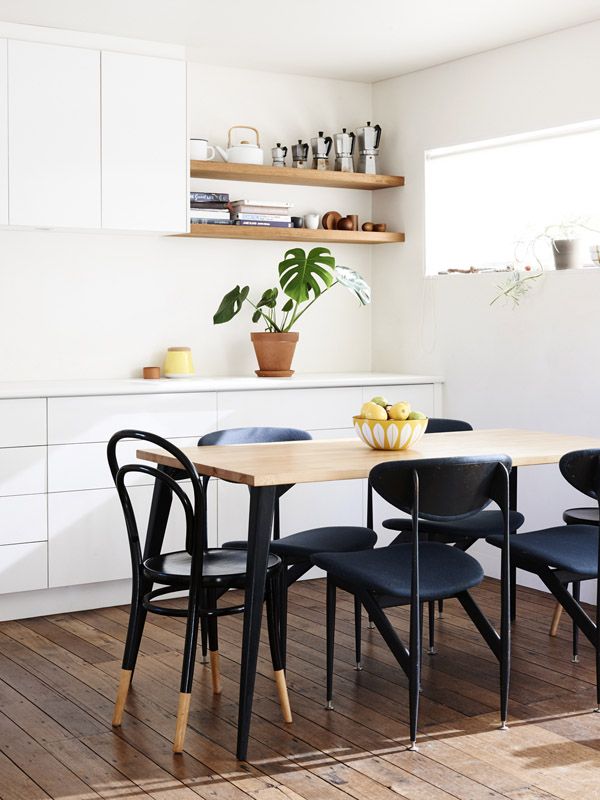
(385, 426)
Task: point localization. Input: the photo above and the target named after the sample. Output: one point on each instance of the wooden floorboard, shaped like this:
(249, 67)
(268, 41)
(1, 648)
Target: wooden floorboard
(58, 677)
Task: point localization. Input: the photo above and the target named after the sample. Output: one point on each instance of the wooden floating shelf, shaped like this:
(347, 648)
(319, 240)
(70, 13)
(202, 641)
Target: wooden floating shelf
(259, 173)
(290, 234)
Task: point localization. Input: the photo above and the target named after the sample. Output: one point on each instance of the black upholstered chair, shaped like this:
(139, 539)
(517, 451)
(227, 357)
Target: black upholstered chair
(422, 571)
(462, 533)
(204, 573)
(296, 550)
(574, 516)
(568, 553)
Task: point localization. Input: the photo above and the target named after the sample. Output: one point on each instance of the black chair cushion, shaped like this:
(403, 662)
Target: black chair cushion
(569, 547)
(478, 526)
(443, 571)
(219, 566)
(334, 539)
(581, 516)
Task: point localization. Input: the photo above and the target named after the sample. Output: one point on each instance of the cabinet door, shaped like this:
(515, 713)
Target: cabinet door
(54, 135)
(3, 133)
(144, 143)
(23, 567)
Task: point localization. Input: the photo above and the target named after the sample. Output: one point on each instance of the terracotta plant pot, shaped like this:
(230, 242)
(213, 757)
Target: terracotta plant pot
(274, 353)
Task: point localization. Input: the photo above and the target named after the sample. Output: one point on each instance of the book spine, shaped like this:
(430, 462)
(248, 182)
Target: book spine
(209, 197)
(277, 210)
(204, 221)
(258, 224)
(210, 204)
(216, 213)
(262, 217)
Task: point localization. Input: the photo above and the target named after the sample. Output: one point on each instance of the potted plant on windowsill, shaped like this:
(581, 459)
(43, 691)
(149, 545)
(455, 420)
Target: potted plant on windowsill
(303, 278)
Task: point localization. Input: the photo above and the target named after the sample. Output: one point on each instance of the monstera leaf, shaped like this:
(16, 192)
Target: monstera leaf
(301, 275)
(231, 305)
(355, 282)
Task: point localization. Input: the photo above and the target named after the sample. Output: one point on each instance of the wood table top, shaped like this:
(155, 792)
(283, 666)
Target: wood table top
(346, 459)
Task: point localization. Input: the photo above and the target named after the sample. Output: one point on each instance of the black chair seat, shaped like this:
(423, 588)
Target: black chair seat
(304, 544)
(581, 516)
(573, 548)
(334, 539)
(219, 567)
(444, 571)
(477, 526)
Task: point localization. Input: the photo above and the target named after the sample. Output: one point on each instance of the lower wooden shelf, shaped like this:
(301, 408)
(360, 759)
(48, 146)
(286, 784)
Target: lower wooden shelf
(291, 234)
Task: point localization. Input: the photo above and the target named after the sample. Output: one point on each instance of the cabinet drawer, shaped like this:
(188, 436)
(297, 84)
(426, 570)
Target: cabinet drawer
(420, 396)
(95, 419)
(72, 467)
(22, 422)
(309, 409)
(23, 567)
(87, 538)
(22, 470)
(23, 519)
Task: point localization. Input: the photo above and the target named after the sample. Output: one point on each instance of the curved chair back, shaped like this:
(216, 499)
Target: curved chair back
(194, 512)
(443, 425)
(440, 488)
(581, 468)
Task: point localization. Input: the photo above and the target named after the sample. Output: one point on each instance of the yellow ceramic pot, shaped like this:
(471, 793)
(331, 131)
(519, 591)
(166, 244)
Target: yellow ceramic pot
(178, 363)
(390, 434)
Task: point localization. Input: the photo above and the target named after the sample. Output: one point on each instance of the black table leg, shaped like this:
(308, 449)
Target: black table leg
(262, 503)
(513, 569)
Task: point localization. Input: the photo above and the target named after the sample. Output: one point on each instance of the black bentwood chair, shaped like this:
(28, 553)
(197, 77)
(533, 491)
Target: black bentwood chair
(205, 573)
(419, 571)
(462, 532)
(296, 550)
(568, 553)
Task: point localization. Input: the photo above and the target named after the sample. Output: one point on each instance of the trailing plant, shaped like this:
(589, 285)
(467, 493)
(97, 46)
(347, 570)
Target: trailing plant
(517, 286)
(303, 278)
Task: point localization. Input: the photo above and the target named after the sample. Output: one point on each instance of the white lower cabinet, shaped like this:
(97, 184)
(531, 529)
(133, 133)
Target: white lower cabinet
(23, 567)
(23, 519)
(87, 536)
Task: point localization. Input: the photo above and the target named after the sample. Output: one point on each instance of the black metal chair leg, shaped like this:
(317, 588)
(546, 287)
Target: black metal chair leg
(440, 608)
(513, 593)
(357, 632)
(414, 677)
(432, 649)
(330, 640)
(576, 596)
(213, 642)
(204, 639)
(283, 595)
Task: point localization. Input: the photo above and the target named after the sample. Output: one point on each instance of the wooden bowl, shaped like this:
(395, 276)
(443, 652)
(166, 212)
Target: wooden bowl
(330, 220)
(380, 227)
(367, 226)
(345, 224)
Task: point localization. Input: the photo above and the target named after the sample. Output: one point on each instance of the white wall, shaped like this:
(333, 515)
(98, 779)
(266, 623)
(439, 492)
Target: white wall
(100, 305)
(535, 367)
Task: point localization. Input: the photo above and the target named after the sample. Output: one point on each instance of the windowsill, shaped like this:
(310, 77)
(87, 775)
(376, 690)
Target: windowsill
(506, 274)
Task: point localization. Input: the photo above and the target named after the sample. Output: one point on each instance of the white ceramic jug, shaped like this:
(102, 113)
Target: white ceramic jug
(244, 152)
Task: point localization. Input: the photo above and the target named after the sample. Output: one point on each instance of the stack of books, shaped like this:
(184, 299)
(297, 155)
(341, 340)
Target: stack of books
(209, 208)
(261, 213)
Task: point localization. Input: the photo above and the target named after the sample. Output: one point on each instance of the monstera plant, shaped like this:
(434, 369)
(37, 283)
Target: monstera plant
(303, 278)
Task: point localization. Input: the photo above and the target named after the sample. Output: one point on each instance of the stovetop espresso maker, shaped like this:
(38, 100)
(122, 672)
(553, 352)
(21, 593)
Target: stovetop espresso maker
(368, 148)
(344, 147)
(321, 147)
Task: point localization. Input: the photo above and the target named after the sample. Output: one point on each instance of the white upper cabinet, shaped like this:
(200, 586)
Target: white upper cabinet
(3, 133)
(144, 143)
(54, 135)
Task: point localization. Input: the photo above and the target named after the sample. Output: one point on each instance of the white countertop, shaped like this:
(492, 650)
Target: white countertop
(84, 388)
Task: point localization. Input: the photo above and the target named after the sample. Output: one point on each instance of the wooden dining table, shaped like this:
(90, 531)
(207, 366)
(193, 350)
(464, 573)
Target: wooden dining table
(263, 467)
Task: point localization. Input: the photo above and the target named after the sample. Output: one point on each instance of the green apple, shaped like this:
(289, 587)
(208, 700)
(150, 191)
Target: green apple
(381, 401)
(417, 415)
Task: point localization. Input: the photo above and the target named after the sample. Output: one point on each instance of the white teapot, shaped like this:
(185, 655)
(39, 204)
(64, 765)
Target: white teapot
(244, 152)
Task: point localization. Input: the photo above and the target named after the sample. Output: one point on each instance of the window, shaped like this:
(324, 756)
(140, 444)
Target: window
(483, 199)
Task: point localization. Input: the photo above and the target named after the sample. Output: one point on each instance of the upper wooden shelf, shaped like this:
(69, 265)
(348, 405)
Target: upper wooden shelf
(221, 170)
(291, 234)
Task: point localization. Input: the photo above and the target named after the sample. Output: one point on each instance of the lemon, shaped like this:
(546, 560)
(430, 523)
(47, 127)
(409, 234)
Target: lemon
(372, 410)
(400, 410)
